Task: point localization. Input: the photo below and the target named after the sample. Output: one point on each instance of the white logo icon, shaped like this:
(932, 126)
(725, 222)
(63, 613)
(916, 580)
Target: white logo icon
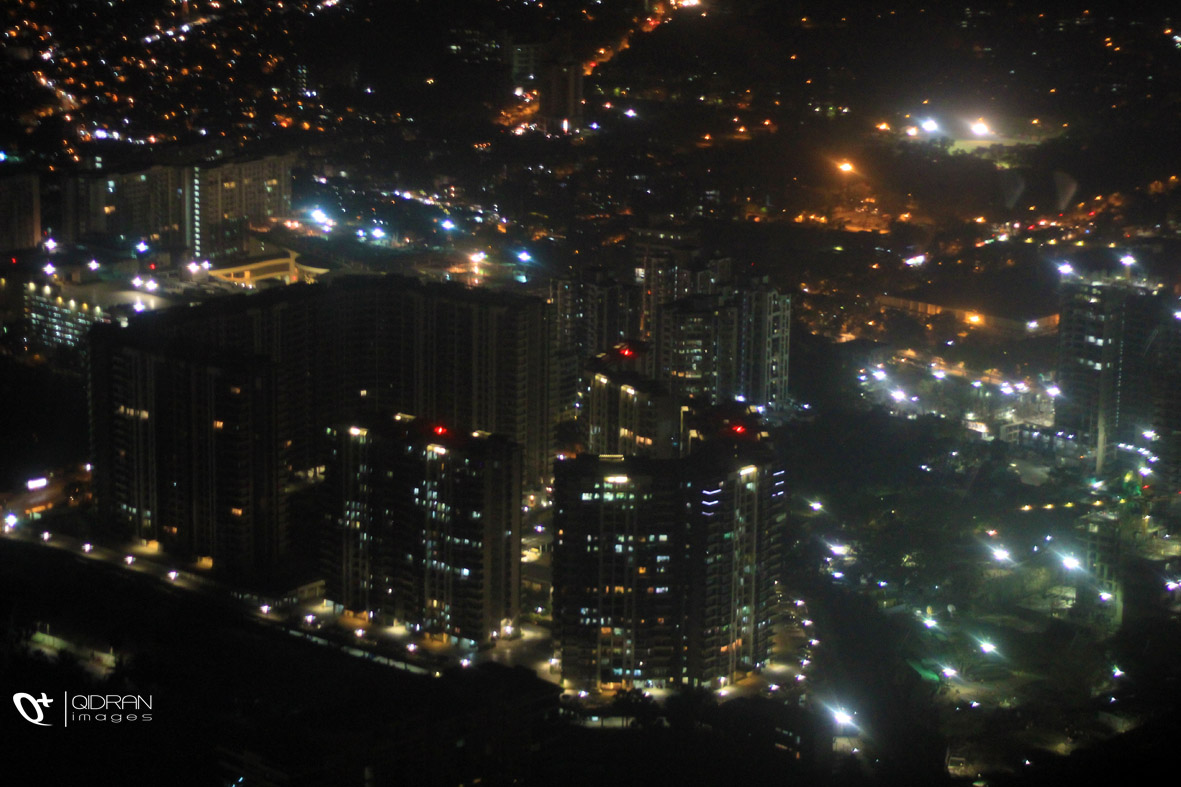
(38, 706)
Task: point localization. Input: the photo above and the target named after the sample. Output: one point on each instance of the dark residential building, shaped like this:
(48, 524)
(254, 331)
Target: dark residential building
(1107, 323)
(665, 571)
(278, 368)
(560, 85)
(189, 450)
(1165, 390)
(20, 211)
(425, 528)
(627, 414)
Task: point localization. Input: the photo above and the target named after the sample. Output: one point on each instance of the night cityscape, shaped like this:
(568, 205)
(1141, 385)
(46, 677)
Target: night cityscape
(589, 392)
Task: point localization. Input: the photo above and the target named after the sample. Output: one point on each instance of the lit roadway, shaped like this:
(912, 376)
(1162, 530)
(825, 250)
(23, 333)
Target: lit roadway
(317, 623)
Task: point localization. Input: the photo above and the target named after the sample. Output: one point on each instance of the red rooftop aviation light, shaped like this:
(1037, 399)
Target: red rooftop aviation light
(440, 430)
(737, 428)
(626, 352)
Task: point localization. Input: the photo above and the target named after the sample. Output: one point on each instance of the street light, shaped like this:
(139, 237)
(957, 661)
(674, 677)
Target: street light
(987, 647)
(1000, 554)
(841, 717)
(816, 505)
(1071, 563)
(845, 166)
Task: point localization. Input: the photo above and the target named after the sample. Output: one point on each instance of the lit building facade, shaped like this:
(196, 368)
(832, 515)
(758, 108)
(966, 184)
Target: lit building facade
(425, 527)
(666, 571)
(726, 346)
(204, 210)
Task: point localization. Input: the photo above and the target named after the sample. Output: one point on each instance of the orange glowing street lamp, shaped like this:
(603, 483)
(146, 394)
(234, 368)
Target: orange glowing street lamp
(845, 166)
